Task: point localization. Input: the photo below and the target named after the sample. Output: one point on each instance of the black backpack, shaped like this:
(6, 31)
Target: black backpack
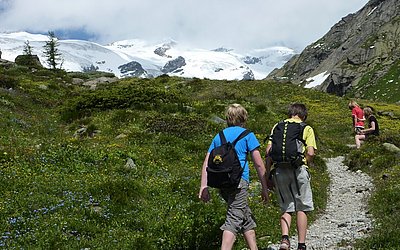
(224, 169)
(287, 144)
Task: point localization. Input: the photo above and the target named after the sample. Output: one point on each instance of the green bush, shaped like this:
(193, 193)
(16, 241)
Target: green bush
(119, 96)
(8, 82)
(183, 126)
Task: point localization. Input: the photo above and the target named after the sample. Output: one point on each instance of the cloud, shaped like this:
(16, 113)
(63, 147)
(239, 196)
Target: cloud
(203, 23)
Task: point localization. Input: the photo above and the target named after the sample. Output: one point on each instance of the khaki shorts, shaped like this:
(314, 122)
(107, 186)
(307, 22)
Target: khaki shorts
(239, 218)
(293, 189)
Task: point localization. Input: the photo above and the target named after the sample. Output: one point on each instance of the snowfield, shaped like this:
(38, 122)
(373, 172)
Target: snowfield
(218, 64)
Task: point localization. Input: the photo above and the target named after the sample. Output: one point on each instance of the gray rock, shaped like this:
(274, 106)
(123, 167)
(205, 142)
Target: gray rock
(173, 65)
(130, 164)
(92, 84)
(77, 81)
(249, 75)
(6, 64)
(31, 61)
(391, 147)
(217, 120)
(133, 69)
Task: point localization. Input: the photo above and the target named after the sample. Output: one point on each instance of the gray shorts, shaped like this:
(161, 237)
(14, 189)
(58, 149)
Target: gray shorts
(239, 218)
(294, 189)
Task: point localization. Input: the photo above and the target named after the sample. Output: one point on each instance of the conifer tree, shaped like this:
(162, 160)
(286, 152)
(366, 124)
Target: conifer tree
(27, 48)
(51, 51)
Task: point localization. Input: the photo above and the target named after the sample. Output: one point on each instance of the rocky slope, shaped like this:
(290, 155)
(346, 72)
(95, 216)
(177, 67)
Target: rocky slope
(359, 56)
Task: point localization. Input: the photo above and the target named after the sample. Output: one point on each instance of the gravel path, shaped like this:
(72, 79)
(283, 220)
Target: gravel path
(346, 216)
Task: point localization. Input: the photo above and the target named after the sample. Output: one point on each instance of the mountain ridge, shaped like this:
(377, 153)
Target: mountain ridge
(357, 57)
(138, 58)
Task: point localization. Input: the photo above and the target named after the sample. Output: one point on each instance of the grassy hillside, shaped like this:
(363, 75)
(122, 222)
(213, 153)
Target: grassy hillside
(119, 167)
(375, 85)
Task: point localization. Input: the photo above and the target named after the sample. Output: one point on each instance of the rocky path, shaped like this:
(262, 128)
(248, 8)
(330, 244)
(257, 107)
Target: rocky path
(346, 217)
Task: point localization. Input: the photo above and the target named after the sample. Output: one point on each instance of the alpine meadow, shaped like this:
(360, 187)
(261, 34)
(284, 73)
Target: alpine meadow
(118, 166)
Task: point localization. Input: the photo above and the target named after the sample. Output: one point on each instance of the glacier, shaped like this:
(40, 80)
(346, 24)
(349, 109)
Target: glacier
(138, 58)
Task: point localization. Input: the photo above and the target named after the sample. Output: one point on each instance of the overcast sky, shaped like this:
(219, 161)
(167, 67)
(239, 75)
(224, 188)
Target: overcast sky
(207, 24)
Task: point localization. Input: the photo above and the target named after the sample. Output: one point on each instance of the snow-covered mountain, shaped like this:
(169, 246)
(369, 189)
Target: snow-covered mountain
(141, 59)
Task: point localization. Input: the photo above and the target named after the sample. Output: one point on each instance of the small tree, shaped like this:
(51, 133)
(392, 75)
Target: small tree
(27, 48)
(51, 51)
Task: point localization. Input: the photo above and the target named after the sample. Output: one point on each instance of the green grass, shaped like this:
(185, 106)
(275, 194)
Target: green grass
(61, 190)
(384, 167)
(380, 87)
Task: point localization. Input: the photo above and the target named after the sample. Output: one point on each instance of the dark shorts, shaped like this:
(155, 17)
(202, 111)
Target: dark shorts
(358, 129)
(239, 218)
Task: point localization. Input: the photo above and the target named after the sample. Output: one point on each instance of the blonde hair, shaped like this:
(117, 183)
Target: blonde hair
(368, 111)
(353, 104)
(236, 115)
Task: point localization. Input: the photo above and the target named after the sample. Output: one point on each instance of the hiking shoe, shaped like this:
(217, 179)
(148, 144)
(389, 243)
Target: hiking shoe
(301, 247)
(285, 244)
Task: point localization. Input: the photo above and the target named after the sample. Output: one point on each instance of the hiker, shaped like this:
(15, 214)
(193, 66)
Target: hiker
(372, 130)
(239, 219)
(357, 115)
(290, 174)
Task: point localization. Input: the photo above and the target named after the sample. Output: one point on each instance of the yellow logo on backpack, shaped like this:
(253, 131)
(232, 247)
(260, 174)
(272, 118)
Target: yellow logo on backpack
(218, 159)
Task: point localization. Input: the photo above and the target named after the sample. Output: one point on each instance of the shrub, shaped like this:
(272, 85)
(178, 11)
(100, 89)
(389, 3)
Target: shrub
(8, 81)
(119, 96)
(178, 125)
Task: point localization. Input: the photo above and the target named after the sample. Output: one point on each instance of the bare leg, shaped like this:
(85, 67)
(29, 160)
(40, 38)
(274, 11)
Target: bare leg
(301, 226)
(359, 139)
(286, 219)
(228, 238)
(250, 237)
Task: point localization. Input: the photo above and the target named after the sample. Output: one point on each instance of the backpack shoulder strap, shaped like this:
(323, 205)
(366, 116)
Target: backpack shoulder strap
(303, 125)
(222, 137)
(269, 136)
(242, 135)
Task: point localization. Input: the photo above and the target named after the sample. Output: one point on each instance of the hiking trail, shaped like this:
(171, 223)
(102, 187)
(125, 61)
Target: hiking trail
(346, 216)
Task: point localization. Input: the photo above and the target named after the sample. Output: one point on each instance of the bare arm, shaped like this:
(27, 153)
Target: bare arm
(310, 156)
(204, 195)
(260, 168)
(354, 118)
(369, 130)
(268, 162)
(268, 149)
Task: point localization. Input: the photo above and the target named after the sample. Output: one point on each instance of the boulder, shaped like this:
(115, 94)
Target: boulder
(92, 84)
(6, 64)
(391, 147)
(31, 61)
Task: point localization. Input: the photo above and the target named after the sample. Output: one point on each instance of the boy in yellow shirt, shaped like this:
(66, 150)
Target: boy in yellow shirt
(291, 178)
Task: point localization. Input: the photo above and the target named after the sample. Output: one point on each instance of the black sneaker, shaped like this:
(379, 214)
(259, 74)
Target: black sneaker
(301, 247)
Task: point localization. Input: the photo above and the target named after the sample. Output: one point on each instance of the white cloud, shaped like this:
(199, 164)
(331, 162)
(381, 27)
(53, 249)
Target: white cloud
(203, 23)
